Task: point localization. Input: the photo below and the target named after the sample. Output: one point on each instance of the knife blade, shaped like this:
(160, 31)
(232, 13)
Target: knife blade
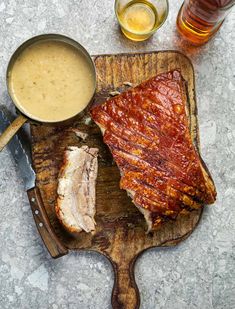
(21, 154)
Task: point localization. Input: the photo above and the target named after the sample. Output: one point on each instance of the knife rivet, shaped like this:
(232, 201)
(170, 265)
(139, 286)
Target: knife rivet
(41, 224)
(36, 212)
(33, 199)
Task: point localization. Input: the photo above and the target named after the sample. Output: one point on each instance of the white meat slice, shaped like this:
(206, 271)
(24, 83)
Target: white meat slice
(75, 206)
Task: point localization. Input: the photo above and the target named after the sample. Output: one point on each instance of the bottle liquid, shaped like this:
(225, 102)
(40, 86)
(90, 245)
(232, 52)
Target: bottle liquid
(199, 20)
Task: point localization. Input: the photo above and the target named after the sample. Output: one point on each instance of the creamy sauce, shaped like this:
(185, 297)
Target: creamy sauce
(51, 81)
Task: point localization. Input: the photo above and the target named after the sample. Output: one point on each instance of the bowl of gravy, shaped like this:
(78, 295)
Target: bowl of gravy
(51, 78)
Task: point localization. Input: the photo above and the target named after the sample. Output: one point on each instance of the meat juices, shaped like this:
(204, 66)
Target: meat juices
(75, 206)
(147, 131)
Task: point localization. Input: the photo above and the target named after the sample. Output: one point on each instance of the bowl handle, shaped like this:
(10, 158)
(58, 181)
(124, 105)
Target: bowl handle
(7, 135)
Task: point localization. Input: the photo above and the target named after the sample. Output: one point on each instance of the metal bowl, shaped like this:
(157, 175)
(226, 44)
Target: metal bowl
(48, 37)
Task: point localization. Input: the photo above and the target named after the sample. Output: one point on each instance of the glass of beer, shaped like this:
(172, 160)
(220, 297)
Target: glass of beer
(139, 19)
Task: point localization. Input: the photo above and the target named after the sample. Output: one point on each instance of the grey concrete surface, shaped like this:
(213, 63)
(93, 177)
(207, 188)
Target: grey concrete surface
(197, 274)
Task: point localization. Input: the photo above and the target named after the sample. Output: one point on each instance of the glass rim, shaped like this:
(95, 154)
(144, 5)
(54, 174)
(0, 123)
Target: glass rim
(146, 32)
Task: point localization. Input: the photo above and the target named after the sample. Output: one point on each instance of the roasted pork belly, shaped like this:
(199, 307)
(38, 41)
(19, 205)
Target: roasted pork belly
(75, 206)
(147, 130)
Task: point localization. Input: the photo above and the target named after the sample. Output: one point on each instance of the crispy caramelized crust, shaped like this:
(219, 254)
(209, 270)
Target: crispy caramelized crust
(147, 131)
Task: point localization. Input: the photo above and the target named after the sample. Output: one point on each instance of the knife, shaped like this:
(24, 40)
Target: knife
(22, 156)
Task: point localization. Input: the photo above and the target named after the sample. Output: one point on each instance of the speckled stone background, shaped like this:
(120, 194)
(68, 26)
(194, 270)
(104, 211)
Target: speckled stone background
(197, 274)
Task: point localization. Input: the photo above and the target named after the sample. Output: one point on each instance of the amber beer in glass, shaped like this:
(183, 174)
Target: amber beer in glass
(199, 20)
(140, 19)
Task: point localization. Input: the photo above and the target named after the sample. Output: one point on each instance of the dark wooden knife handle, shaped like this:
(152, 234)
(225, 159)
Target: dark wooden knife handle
(125, 293)
(51, 241)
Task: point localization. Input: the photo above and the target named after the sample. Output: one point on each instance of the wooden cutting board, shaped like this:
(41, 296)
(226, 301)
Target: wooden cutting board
(121, 230)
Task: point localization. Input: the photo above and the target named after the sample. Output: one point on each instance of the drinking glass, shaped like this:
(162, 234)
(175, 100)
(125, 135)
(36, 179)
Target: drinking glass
(140, 19)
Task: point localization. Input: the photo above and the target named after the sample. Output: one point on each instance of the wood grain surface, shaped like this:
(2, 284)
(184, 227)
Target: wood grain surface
(121, 230)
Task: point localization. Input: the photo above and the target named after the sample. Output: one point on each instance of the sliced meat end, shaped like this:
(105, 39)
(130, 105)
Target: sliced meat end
(75, 205)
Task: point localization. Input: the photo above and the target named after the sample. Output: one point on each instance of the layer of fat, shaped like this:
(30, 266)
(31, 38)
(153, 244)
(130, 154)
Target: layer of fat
(76, 189)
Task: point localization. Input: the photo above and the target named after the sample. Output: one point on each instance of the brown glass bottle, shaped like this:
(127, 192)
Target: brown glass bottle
(199, 20)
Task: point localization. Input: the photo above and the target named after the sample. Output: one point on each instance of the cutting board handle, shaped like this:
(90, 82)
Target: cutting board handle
(50, 239)
(125, 294)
